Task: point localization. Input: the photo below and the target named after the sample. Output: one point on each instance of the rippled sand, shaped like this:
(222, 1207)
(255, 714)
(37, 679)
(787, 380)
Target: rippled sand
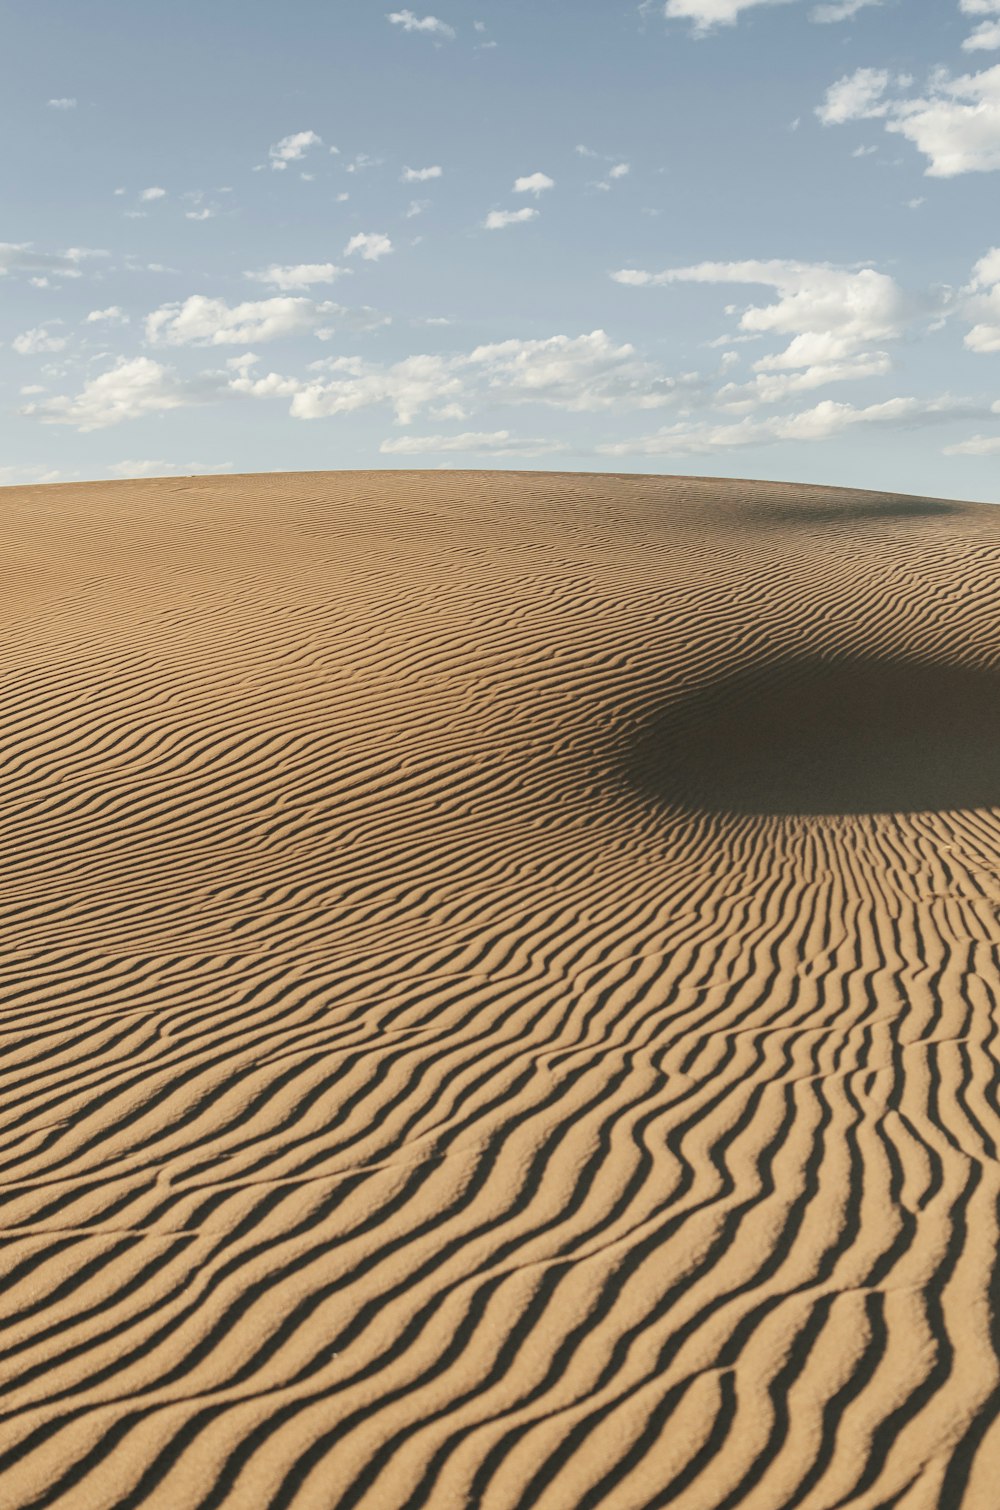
(499, 995)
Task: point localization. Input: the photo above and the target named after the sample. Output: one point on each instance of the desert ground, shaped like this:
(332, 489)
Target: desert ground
(499, 994)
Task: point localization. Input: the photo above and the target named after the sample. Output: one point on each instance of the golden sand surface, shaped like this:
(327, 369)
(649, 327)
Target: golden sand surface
(499, 995)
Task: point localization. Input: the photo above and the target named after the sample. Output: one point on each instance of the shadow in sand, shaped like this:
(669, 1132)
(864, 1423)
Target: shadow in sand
(814, 737)
(847, 512)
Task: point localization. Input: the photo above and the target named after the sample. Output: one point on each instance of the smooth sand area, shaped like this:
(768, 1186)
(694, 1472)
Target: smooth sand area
(499, 995)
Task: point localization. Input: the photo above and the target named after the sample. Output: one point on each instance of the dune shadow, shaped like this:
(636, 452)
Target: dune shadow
(843, 512)
(809, 736)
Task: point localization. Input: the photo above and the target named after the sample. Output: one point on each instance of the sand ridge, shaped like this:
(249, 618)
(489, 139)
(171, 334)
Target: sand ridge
(498, 994)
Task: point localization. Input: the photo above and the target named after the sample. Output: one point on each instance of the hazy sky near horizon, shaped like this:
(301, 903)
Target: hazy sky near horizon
(725, 237)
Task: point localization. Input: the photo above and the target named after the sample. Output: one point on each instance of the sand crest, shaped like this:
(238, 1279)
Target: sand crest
(498, 995)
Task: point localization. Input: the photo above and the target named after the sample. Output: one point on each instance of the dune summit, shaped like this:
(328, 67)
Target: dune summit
(499, 994)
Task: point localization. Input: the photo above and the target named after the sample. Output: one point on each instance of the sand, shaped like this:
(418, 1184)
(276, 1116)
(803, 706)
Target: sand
(499, 994)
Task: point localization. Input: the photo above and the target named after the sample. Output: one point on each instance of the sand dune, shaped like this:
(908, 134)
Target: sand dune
(499, 995)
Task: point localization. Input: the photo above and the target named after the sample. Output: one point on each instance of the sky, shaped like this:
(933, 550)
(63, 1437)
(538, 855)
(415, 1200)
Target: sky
(735, 238)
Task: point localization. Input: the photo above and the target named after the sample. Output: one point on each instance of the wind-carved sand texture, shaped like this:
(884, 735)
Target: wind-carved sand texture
(500, 991)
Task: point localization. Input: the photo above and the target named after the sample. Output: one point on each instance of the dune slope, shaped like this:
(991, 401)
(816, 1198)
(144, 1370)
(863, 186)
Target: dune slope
(499, 994)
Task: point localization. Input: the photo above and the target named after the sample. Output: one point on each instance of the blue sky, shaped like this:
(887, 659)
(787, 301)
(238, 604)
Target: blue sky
(722, 237)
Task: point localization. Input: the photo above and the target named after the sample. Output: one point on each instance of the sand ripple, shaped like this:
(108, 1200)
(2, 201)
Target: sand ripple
(498, 995)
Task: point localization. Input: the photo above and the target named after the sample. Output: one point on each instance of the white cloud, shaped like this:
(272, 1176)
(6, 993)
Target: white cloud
(33, 342)
(983, 38)
(976, 445)
(826, 420)
(204, 214)
(25, 476)
(62, 104)
(857, 96)
(981, 304)
(168, 469)
(620, 170)
(704, 14)
(408, 386)
(84, 253)
(297, 275)
(494, 442)
(339, 318)
(200, 321)
(771, 387)
(146, 195)
(830, 313)
(113, 315)
(839, 10)
(415, 207)
(20, 257)
(130, 390)
(582, 373)
(955, 124)
(291, 148)
(496, 220)
(533, 183)
(371, 244)
(986, 272)
(429, 24)
(421, 175)
(361, 161)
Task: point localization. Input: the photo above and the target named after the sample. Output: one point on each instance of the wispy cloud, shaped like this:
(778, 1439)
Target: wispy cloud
(830, 312)
(21, 257)
(824, 421)
(200, 321)
(129, 390)
(428, 24)
(169, 469)
(581, 374)
(297, 275)
(704, 15)
(496, 220)
(839, 10)
(113, 315)
(292, 148)
(533, 183)
(370, 245)
(955, 123)
(34, 342)
(981, 304)
(491, 442)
